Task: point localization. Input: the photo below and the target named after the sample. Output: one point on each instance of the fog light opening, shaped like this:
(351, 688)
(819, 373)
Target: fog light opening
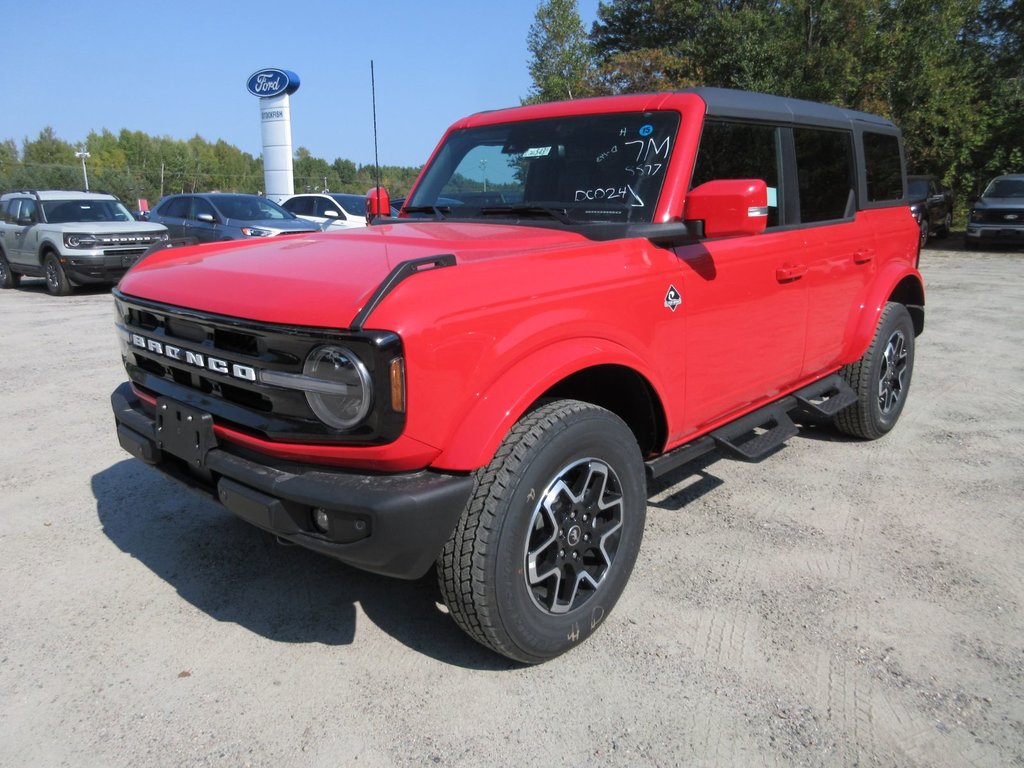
(321, 519)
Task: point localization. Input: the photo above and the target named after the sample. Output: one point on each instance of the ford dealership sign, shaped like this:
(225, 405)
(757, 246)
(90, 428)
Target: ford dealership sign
(272, 82)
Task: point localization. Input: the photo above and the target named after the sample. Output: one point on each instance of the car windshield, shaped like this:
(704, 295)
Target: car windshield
(249, 208)
(72, 211)
(607, 168)
(354, 204)
(1005, 188)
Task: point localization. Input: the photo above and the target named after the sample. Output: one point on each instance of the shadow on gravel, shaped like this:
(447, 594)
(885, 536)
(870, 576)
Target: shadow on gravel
(234, 572)
(38, 285)
(954, 243)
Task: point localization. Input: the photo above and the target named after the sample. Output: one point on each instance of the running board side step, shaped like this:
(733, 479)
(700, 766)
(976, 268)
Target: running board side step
(754, 436)
(759, 433)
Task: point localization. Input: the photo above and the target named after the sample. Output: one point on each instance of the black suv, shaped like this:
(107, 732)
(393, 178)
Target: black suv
(932, 204)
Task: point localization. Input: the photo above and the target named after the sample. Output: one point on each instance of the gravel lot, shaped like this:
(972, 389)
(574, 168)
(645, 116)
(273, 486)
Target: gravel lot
(837, 604)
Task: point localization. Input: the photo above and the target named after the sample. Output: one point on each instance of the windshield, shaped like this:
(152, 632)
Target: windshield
(1005, 188)
(71, 211)
(249, 208)
(573, 169)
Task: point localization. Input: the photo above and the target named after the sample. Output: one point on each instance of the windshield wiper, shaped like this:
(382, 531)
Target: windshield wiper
(559, 214)
(440, 212)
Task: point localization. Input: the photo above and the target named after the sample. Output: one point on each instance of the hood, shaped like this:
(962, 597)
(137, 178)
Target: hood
(276, 225)
(322, 279)
(999, 202)
(111, 227)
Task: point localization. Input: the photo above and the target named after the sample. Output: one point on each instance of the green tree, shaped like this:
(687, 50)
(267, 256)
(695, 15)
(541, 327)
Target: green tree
(560, 53)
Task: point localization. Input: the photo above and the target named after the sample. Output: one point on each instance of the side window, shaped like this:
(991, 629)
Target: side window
(323, 205)
(884, 168)
(824, 165)
(201, 206)
(28, 209)
(176, 207)
(741, 151)
(300, 206)
(6, 210)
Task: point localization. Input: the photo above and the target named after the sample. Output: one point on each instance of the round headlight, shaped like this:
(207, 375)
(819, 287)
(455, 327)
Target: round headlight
(346, 396)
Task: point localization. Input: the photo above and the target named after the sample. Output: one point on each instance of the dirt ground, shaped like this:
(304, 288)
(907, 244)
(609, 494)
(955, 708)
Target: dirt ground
(838, 604)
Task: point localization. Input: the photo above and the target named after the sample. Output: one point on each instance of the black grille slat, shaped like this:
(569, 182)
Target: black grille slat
(267, 411)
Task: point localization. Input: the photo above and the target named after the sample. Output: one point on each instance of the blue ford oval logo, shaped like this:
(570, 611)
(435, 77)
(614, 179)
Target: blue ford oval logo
(272, 82)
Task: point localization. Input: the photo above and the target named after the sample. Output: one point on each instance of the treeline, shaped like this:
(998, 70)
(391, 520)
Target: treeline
(132, 165)
(949, 72)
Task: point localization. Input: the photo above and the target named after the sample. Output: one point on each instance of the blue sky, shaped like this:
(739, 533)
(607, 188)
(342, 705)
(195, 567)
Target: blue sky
(178, 68)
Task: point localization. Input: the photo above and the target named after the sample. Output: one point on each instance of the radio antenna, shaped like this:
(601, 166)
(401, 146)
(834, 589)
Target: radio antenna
(376, 162)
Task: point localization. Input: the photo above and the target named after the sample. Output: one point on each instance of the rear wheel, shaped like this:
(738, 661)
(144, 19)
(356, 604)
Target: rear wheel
(947, 225)
(8, 279)
(881, 378)
(57, 281)
(549, 538)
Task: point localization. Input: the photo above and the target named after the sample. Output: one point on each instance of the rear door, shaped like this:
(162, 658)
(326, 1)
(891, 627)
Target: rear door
(173, 214)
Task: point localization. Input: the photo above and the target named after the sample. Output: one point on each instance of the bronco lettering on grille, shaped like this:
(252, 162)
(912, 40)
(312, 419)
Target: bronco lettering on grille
(195, 359)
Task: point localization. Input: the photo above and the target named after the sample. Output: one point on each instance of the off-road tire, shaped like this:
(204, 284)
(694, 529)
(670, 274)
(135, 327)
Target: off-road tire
(8, 279)
(881, 378)
(57, 282)
(564, 494)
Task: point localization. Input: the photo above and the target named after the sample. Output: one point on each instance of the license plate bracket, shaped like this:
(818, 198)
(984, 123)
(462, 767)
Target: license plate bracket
(184, 431)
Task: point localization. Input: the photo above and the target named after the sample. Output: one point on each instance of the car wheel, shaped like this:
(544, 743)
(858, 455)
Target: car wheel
(550, 535)
(57, 281)
(947, 225)
(8, 279)
(881, 378)
(923, 238)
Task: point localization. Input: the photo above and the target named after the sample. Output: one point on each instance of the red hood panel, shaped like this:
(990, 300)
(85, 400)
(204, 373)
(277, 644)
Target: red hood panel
(318, 280)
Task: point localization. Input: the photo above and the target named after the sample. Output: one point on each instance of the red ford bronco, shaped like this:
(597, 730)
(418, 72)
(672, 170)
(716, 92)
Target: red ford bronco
(575, 298)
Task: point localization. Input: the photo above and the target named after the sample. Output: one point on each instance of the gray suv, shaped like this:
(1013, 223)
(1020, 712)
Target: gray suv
(998, 215)
(70, 238)
(213, 216)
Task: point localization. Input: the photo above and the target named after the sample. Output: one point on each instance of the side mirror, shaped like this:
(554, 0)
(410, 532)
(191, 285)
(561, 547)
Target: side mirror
(728, 207)
(24, 221)
(378, 203)
(330, 213)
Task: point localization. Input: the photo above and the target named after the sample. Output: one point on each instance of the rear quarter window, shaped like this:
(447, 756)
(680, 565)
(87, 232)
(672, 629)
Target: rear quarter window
(883, 167)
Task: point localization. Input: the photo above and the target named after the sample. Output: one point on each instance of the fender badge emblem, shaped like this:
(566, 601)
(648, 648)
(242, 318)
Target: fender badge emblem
(673, 299)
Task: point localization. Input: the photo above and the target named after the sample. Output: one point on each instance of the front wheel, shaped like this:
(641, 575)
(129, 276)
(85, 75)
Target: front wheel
(881, 378)
(57, 282)
(549, 538)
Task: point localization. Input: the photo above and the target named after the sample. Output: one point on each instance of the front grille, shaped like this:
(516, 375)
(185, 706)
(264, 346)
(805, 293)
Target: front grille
(242, 347)
(999, 216)
(123, 251)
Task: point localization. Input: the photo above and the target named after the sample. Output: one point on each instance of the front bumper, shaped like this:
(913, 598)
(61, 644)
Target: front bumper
(988, 233)
(393, 524)
(99, 267)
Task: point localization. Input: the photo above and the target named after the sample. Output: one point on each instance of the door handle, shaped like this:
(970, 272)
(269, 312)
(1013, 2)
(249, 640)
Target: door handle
(790, 272)
(863, 256)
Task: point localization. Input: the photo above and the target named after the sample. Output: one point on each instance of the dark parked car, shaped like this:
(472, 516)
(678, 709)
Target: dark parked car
(213, 216)
(932, 204)
(998, 215)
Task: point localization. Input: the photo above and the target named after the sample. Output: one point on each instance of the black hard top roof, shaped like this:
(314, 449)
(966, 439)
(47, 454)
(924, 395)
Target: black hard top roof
(726, 102)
